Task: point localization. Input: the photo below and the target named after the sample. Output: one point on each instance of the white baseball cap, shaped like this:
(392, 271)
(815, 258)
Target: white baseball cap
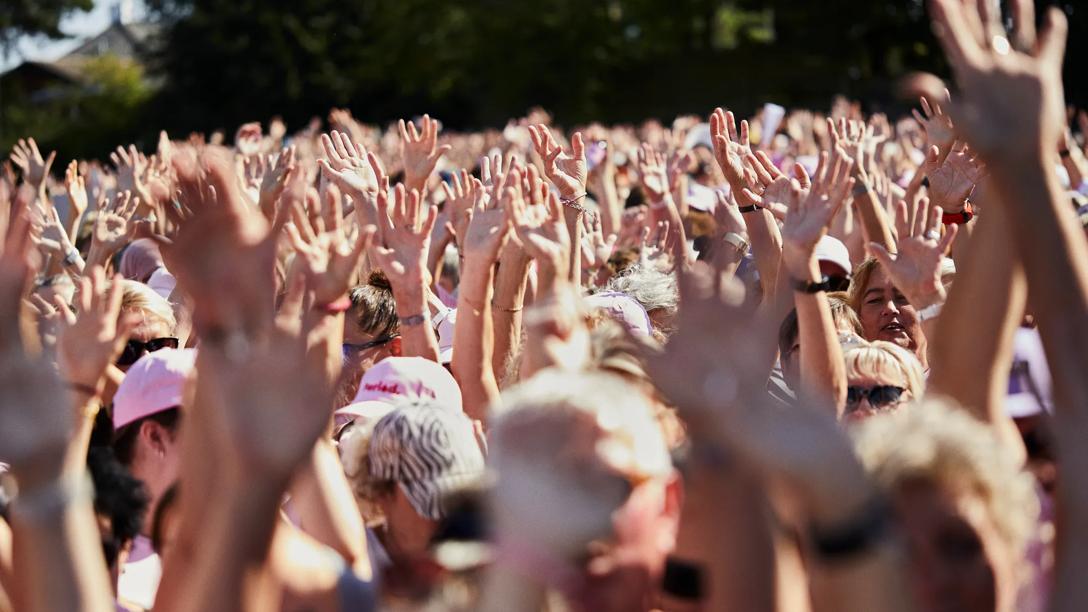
(833, 250)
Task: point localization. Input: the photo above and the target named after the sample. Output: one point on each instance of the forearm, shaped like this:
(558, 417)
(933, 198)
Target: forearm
(873, 218)
(736, 557)
(608, 200)
(573, 219)
(766, 243)
(971, 348)
(507, 308)
(326, 507)
(417, 339)
(473, 340)
(230, 572)
(57, 551)
(325, 339)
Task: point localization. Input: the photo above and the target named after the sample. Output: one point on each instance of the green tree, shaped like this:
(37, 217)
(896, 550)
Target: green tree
(35, 17)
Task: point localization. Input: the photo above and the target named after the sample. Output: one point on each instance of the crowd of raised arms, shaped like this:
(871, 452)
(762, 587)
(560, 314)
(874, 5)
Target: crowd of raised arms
(795, 362)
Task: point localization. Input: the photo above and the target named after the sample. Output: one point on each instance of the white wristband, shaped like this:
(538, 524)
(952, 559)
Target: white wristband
(930, 312)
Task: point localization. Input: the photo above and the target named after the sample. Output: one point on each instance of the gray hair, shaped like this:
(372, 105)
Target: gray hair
(653, 288)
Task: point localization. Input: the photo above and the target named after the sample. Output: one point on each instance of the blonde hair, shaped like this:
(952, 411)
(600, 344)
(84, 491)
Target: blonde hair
(635, 443)
(859, 284)
(354, 450)
(939, 444)
(880, 359)
(143, 299)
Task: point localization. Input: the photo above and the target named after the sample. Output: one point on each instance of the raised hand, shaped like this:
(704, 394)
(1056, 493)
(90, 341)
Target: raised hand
(350, 165)
(35, 419)
(489, 223)
(463, 195)
(936, 124)
(952, 177)
(131, 167)
(29, 159)
(653, 175)
(403, 239)
(420, 151)
(223, 245)
(596, 249)
(808, 221)
(275, 180)
(92, 338)
(1010, 104)
(542, 232)
(114, 226)
(731, 147)
(77, 196)
(329, 257)
(568, 172)
(916, 268)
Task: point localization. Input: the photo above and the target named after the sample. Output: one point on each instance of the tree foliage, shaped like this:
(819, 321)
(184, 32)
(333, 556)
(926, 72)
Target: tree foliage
(35, 17)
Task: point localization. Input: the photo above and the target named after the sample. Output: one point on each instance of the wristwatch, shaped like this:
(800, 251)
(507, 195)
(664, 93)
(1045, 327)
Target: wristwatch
(823, 286)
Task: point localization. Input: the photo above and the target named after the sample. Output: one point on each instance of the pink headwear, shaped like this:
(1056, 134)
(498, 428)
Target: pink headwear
(153, 384)
(400, 377)
(140, 259)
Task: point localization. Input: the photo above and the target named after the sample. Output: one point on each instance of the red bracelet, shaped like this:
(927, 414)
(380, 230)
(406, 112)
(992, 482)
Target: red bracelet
(959, 218)
(335, 307)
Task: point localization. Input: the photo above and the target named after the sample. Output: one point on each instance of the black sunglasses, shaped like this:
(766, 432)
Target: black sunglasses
(349, 349)
(880, 395)
(134, 349)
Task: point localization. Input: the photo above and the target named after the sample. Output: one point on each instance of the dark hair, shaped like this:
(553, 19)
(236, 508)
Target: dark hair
(124, 439)
(372, 306)
(167, 502)
(118, 496)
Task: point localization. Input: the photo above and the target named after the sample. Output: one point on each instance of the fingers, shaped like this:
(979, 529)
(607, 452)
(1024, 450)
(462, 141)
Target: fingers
(577, 147)
(951, 231)
(1023, 25)
(1052, 39)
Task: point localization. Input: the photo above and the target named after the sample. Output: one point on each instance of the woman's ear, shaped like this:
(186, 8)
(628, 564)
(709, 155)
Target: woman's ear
(155, 436)
(395, 347)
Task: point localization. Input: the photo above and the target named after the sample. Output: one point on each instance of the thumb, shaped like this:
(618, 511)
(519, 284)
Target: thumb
(881, 254)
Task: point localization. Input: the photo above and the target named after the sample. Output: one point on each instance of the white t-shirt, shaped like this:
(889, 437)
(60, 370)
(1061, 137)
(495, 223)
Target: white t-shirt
(139, 579)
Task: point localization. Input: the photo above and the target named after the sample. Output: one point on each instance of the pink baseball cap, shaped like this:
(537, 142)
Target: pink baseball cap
(394, 378)
(624, 309)
(153, 384)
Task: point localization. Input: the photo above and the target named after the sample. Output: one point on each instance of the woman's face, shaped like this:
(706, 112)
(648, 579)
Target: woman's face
(149, 328)
(886, 315)
(957, 559)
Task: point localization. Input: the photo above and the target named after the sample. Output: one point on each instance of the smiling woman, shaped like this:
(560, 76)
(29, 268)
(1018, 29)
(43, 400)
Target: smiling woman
(884, 311)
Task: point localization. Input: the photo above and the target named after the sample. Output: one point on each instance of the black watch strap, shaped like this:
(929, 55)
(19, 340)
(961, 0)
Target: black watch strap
(823, 286)
(747, 209)
(858, 535)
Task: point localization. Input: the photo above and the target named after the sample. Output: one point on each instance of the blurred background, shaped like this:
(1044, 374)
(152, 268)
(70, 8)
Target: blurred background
(85, 75)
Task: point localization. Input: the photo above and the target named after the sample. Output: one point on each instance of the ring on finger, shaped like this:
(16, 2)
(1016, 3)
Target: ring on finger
(932, 235)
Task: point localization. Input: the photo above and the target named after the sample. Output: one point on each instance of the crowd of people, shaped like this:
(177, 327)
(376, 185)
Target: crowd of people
(799, 361)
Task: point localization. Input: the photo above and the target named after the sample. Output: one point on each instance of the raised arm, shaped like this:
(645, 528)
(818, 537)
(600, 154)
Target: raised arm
(473, 336)
(400, 250)
(1011, 111)
(569, 173)
(56, 548)
(823, 372)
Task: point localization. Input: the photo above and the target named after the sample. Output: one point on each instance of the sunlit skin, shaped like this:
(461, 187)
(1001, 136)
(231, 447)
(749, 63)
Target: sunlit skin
(886, 315)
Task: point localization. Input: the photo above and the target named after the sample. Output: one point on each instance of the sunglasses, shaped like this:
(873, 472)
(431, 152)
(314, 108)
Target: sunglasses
(880, 395)
(354, 349)
(134, 349)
